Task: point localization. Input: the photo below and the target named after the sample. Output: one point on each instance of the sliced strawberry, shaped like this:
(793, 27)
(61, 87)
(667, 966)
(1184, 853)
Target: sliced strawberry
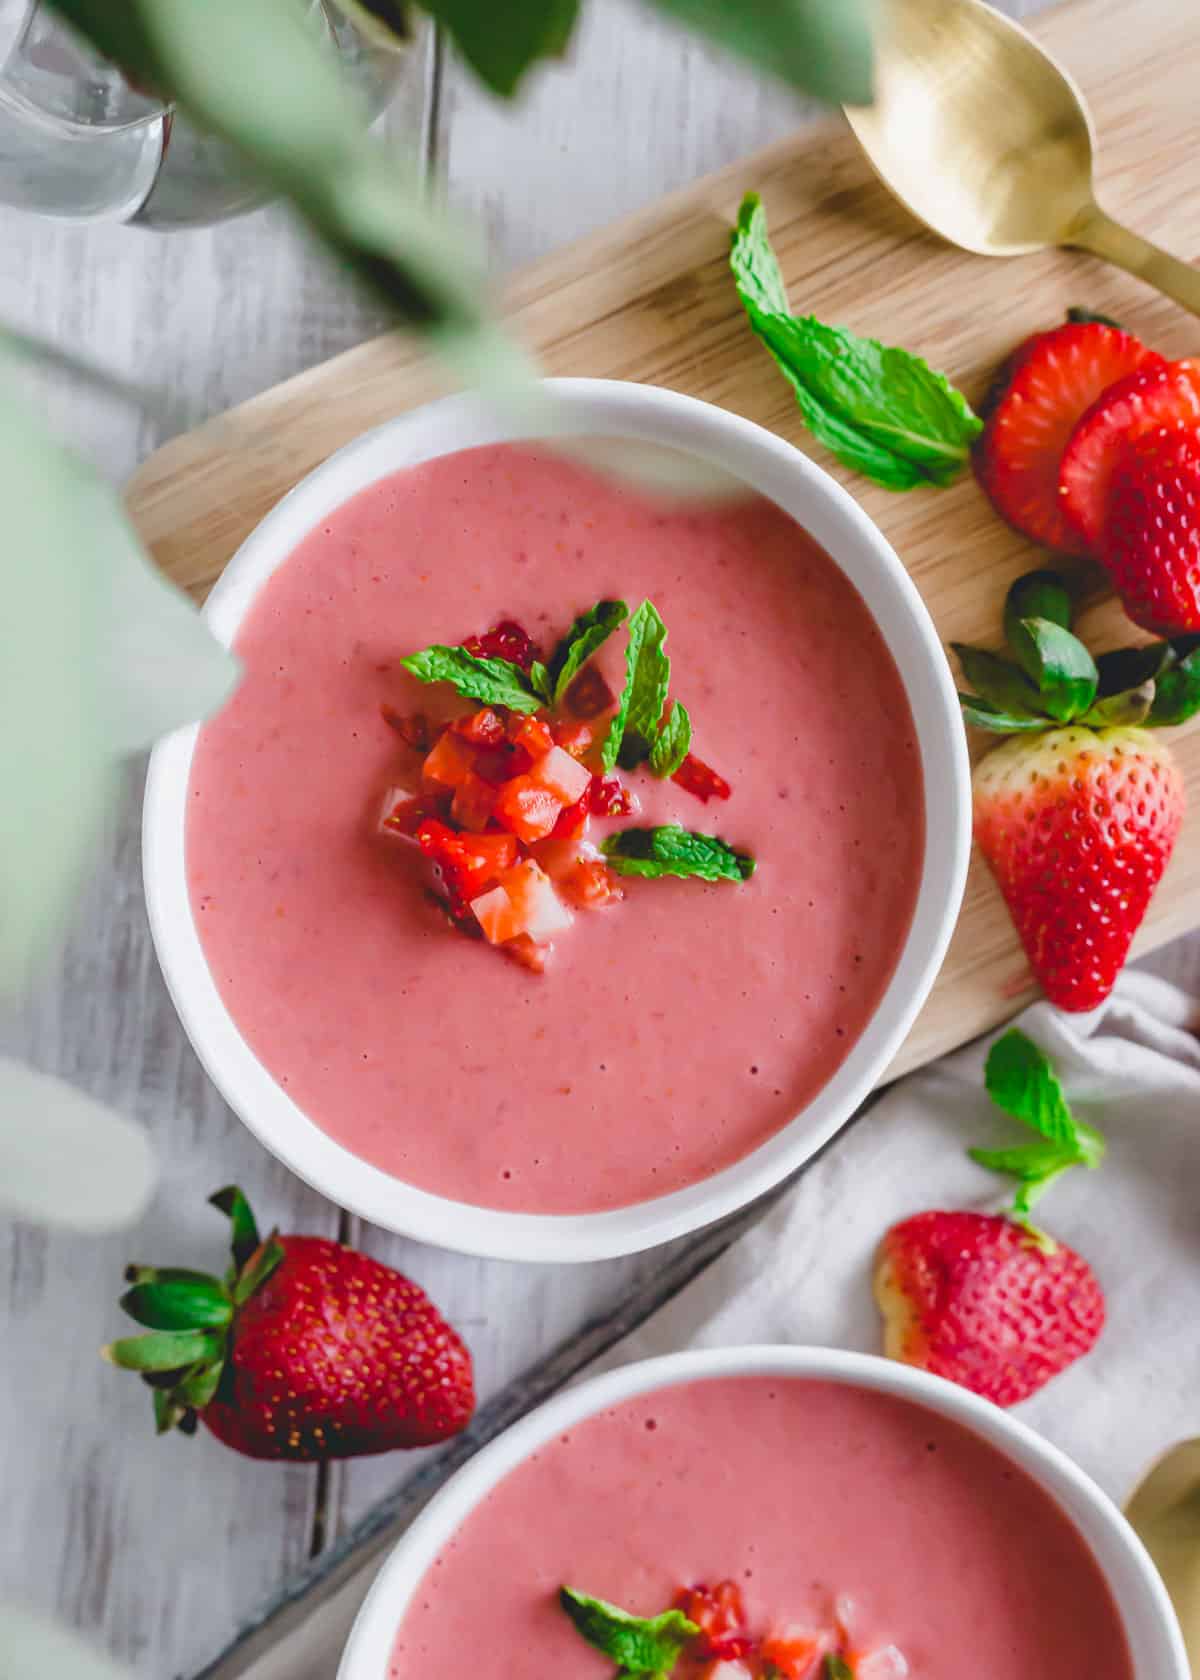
(507, 640)
(974, 1298)
(561, 775)
(1151, 543)
(402, 812)
(450, 762)
(1055, 381)
(696, 777)
(413, 728)
(572, 822)
(526, 809)
(484, 728)
(1159, 395)
(474, 803)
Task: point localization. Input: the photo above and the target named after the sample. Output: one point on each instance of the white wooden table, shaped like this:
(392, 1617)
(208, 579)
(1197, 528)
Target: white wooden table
(161, 1549)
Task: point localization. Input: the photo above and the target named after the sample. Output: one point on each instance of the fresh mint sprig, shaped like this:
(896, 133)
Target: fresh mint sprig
(671, 850)
(1021, 1081)
(493, 682)
(647, 678)
(879, 409)
(585, 637)
(646, 1647)
(672, 743)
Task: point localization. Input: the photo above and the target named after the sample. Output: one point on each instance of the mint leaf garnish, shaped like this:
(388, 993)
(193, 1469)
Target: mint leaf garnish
(589, 632)
(648, 1647)
(672, 743)
(672, 850)
(880, 410)
(837, 1668)
(1021, 1081)
(647, 679)
(540, 683)
(495, 682)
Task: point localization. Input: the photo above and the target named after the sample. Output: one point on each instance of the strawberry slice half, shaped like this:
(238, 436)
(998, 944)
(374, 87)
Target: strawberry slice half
(1055, 381)
(1156, 396)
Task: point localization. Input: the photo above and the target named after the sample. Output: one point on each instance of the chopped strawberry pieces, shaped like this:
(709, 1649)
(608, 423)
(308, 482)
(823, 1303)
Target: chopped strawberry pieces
(591, 885)
(507, 640)
(575, 738)
(450, 762)
(719, 1614)
(402, 812)
(589, 694)
(474, 802)
(694, 776)
(532, 735)
(527, 953)
(468, 862)
(607, 797)
(793, 1652)
(527, 809)
(562, 775)
(482, 729)
(523, 902)
(413, 728)
(572, 822)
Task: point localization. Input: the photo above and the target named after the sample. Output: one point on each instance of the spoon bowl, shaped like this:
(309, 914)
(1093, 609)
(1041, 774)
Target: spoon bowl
(989, 142)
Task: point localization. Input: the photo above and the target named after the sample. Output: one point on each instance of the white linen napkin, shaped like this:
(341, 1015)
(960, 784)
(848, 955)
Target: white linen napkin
(1132, 1068)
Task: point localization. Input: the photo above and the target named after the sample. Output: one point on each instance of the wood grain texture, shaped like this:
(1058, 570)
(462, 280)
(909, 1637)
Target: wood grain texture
(650, 299)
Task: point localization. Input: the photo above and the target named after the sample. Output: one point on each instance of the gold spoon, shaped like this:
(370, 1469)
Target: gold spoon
(990, 143)
(1165, 1511)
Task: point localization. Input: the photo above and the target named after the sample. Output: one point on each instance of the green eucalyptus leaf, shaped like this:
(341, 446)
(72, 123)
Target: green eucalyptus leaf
(502, 39)
(1064, 670)
(260, 78)
(65, 1159)
(999, 681)
(1177, 692)
(821, 47)
(1040, 594)
(36, 1649)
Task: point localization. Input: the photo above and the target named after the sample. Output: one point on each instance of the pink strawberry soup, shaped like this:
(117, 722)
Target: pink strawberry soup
(672, 1032)
(833, 1517)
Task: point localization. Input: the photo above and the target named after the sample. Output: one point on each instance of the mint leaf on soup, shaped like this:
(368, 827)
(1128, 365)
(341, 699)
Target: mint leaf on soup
(880, 410)
(640, 1646)
(672, 743)
(588, 633)
(672, 850)
(1020, 1080)
(837, 1668)
(494, 682)
(647, 679)
(539, 681)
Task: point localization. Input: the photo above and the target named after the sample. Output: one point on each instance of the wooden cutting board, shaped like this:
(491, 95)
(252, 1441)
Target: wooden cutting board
(650, 299)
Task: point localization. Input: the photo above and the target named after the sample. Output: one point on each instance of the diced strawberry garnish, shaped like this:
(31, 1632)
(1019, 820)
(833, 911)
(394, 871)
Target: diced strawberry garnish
(1057, 380)
(484, 728)
(562, 775)
(608, 797)
(589, 694)
(507, 640)
(527, 809)
(450, 762)
(532, 734)
(590, 885)
(1158, 395)
(694, 776)
(523, 902)
(793, 1652)
(575, 738)
(719, 1614)
(402, 812)
(474, 802)
(413, 728)
(468, 862)
(572, 822)
(527, 953)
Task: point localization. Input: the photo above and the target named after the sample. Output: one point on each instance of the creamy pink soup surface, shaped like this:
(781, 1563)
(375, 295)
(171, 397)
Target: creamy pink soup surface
(673, 1033)
(801, 1491)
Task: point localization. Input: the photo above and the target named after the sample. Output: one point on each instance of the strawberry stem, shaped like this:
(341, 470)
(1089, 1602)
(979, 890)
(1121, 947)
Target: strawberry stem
(232, 1202)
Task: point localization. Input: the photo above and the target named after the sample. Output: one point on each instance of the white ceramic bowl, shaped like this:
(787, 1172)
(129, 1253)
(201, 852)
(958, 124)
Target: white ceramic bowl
(1150, 1626)
(595, 409)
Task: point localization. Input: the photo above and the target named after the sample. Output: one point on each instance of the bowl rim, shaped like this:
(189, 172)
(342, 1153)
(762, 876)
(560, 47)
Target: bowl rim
(1155, 1641)
(594, 408)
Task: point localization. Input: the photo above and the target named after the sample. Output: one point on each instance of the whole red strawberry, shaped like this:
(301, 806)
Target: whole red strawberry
(975, 1298)
(306, 1350)
(1151, 543)
(1077, 814)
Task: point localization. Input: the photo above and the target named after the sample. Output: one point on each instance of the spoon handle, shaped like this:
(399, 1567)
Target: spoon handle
(1105, 238)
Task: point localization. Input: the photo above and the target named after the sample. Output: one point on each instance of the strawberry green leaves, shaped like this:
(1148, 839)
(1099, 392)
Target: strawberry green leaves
(647, 679)
(880, 410)
(672, 850)
(645, 1647)
(1021, 1081)
(1053, 679)
(588, 634)
(494, 682)
(174, 1299)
